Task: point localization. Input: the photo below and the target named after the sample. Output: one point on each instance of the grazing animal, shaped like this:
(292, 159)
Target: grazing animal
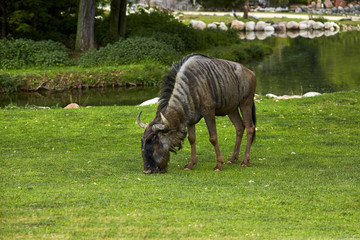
(199, 87)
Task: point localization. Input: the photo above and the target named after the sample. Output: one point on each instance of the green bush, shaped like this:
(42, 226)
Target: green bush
(21, 53)
(130, 51)
(162, 26)
(9, 83)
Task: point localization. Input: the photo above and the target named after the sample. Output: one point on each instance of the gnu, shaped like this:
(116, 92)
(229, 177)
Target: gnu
(199, 87)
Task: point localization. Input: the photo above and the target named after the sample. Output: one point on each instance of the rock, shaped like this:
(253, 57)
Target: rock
(260, 26)
(331, 26)
(298, 10)
(318, 26)
(340, 9)
(334, 10)
(303, 25)
(150, 102)
(292, 25)
(311, 24)
(198, 24)
(328, 4)
(237, 25)
(212, 26)
(357, 7)
(346, 9)
(72, 105)
(280, 9)
(311, 94)
(340, 3)
(270, 95)
(269, 29)
(250, 26)
(222, 26)
(281, 27)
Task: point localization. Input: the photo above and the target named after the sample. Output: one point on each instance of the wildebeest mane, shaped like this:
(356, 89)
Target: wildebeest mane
(168, 82)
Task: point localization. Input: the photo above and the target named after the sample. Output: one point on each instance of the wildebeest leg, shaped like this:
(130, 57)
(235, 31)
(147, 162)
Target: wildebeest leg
(211, 125)
(191, 138)
(246, 112)
(239, 126)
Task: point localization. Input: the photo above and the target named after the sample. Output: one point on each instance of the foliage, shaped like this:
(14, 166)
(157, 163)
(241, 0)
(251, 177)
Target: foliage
(129, 51)
(41, 19)
(77, 174)
(22, 53)
(162, 25)
(10, 83)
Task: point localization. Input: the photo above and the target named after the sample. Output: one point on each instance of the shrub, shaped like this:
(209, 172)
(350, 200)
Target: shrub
(161, 24)
(129, 51)
(9, 83)
(28, 53)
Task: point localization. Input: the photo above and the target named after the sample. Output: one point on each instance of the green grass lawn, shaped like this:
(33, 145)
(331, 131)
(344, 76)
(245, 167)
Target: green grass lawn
(77, 174)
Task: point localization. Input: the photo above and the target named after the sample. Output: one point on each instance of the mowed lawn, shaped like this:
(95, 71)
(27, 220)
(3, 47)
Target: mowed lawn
(77, 174)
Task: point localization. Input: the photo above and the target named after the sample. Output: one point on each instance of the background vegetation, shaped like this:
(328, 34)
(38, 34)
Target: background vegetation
(78, 174)
(154, 41)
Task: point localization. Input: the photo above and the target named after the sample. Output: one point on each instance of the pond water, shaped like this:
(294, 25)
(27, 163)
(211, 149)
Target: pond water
(296, 66)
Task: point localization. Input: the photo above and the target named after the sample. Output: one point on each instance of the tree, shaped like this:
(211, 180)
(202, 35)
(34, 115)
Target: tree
(117, 19)
(38, 19)
(3, 19)
(85, 26)
(226, 4)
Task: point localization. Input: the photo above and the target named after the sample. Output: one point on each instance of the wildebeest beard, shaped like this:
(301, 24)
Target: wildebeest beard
(156, 148)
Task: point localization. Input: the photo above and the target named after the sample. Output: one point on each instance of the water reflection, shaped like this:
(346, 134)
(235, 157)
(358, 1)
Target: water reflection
(262, 35)
(300, 65)
(84, 97)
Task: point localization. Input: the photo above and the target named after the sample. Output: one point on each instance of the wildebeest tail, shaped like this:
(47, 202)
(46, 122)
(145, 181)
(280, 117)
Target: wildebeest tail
(253, 113)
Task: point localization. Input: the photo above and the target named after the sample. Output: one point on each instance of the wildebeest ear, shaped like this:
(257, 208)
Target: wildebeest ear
(158, 127)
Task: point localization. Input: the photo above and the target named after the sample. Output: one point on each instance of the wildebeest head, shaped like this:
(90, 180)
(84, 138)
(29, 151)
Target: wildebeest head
(155, 145)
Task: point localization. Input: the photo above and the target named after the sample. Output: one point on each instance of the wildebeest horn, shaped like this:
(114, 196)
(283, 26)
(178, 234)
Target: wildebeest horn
(143, 125)
(161, 126)
(164, 120)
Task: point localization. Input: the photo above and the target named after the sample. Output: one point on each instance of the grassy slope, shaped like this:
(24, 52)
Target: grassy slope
(77, 174)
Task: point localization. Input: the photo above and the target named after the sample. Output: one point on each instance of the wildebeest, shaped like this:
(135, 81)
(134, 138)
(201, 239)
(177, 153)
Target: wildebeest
(199, 87)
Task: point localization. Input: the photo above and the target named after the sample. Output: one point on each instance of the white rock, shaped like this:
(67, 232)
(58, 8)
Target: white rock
(260, 26)
(72, 105)
(198, 24)
(222, 26)
(270, 95)
(311, 94)
(318, 26)
(292, 25)
(269, 29)
(150, 102)
(212, 25)
(250, 26)
(237, 25)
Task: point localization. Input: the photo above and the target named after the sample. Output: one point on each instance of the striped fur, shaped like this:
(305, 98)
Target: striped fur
(196, 87)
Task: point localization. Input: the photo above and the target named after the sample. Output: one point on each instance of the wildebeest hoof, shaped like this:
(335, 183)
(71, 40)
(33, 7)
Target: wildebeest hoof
(187, 169)
(217, 168)
(244, 164)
